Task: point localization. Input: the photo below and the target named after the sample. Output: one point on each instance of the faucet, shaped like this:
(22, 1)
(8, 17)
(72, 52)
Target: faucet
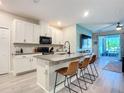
(68, 47)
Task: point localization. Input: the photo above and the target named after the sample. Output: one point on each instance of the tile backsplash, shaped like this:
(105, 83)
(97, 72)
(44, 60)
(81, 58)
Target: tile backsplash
(26, 49)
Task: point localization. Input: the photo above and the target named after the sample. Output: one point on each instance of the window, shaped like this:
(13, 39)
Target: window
(86, 43)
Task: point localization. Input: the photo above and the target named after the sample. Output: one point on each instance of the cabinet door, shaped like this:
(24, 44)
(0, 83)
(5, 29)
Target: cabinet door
(36, 33)
(33, 63)
(53, 37)
(49, 32)
(19, 28)
(28, 34)
(59, 37)
(22, 64)
(44, 28)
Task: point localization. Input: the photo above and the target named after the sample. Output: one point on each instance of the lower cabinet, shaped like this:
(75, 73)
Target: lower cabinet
(24, 64)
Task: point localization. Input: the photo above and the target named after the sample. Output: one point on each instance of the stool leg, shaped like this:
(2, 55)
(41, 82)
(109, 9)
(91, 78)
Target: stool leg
(66, 79)
(90, 76)
(79, 83)
(97, 74)
(83, 80)
(92, 72)
(70, 89)
(55, 82)
(79, 86)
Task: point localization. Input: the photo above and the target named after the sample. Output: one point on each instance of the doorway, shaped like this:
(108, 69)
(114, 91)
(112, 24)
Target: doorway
(109, 46)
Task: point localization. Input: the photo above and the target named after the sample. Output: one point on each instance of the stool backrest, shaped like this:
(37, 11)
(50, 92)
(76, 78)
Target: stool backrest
(72, 68)
(93, 59)
(85, 62)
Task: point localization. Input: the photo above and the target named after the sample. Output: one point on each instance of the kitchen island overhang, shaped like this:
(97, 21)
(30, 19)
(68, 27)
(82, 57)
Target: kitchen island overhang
(46, 66)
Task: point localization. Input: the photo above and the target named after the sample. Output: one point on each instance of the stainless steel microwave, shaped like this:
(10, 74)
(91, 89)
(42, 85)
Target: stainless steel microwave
(45, 40)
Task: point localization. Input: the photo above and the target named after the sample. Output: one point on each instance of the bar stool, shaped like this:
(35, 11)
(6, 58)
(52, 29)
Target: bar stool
(92, 63)
(83, 66)
(68, 73)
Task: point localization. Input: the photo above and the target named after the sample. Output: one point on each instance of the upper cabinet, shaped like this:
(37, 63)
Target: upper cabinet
(37, 33)
(28, 33)
(57, 35)
(25, 32)
(45, 30)
(18, 32)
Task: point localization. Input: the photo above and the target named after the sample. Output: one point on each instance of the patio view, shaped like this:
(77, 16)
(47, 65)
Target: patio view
(109, 46)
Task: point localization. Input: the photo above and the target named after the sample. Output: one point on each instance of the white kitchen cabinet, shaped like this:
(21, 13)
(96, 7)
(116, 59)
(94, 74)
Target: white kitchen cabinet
(45, 29)
(36, 34)
(21, 64)
(49, 32)
(18, 34)
(25, 32)
(33, 63)
(24, 63)
(53, 36)
(28, 33)
(59, 37)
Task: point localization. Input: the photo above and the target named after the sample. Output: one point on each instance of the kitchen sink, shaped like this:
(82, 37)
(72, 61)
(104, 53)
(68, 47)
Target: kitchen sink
(63, 53)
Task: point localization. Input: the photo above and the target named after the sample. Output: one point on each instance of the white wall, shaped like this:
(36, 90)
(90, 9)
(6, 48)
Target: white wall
(70, 35)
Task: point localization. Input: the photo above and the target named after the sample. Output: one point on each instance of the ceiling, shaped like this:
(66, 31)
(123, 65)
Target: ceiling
(101, 12)
(100, 27)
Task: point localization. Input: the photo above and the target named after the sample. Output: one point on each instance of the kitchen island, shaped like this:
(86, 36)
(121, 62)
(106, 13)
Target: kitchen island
(46, 66)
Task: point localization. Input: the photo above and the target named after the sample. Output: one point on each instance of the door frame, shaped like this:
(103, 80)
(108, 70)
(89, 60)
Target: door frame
(110, 35)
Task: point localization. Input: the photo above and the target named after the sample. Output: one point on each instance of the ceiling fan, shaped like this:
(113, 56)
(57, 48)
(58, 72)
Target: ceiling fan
(119, 26)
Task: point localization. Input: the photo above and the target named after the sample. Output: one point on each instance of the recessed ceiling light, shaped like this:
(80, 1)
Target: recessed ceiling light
(59, 23)
(36, 1)
(86, 13)
(0, 2)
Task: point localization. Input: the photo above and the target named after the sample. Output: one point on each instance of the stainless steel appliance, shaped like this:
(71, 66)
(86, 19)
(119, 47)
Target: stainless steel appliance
(44, 50)
(45, 40)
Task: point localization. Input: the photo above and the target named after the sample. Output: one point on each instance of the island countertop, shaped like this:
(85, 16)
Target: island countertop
(59, 57)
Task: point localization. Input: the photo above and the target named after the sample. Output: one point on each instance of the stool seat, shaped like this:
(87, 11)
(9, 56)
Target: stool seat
(62, 71)
(81, 66)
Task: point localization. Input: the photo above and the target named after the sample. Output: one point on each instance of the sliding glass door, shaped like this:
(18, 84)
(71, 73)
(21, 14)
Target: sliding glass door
(109, 46)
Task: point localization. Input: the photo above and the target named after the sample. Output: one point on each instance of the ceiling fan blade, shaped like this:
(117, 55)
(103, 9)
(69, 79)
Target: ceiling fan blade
(106, 27)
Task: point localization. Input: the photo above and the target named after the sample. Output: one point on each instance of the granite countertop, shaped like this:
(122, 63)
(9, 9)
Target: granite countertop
(59, 57)
(27, 53)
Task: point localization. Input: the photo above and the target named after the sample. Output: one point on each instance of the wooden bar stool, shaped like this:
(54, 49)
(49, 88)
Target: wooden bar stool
(68, 73)
(83, 66)
(92, 62)
(95, 73)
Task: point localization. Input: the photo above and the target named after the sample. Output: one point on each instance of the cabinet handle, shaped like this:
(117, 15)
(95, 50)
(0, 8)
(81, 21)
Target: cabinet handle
(45, 34)
(24, 40)
(30, 59)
